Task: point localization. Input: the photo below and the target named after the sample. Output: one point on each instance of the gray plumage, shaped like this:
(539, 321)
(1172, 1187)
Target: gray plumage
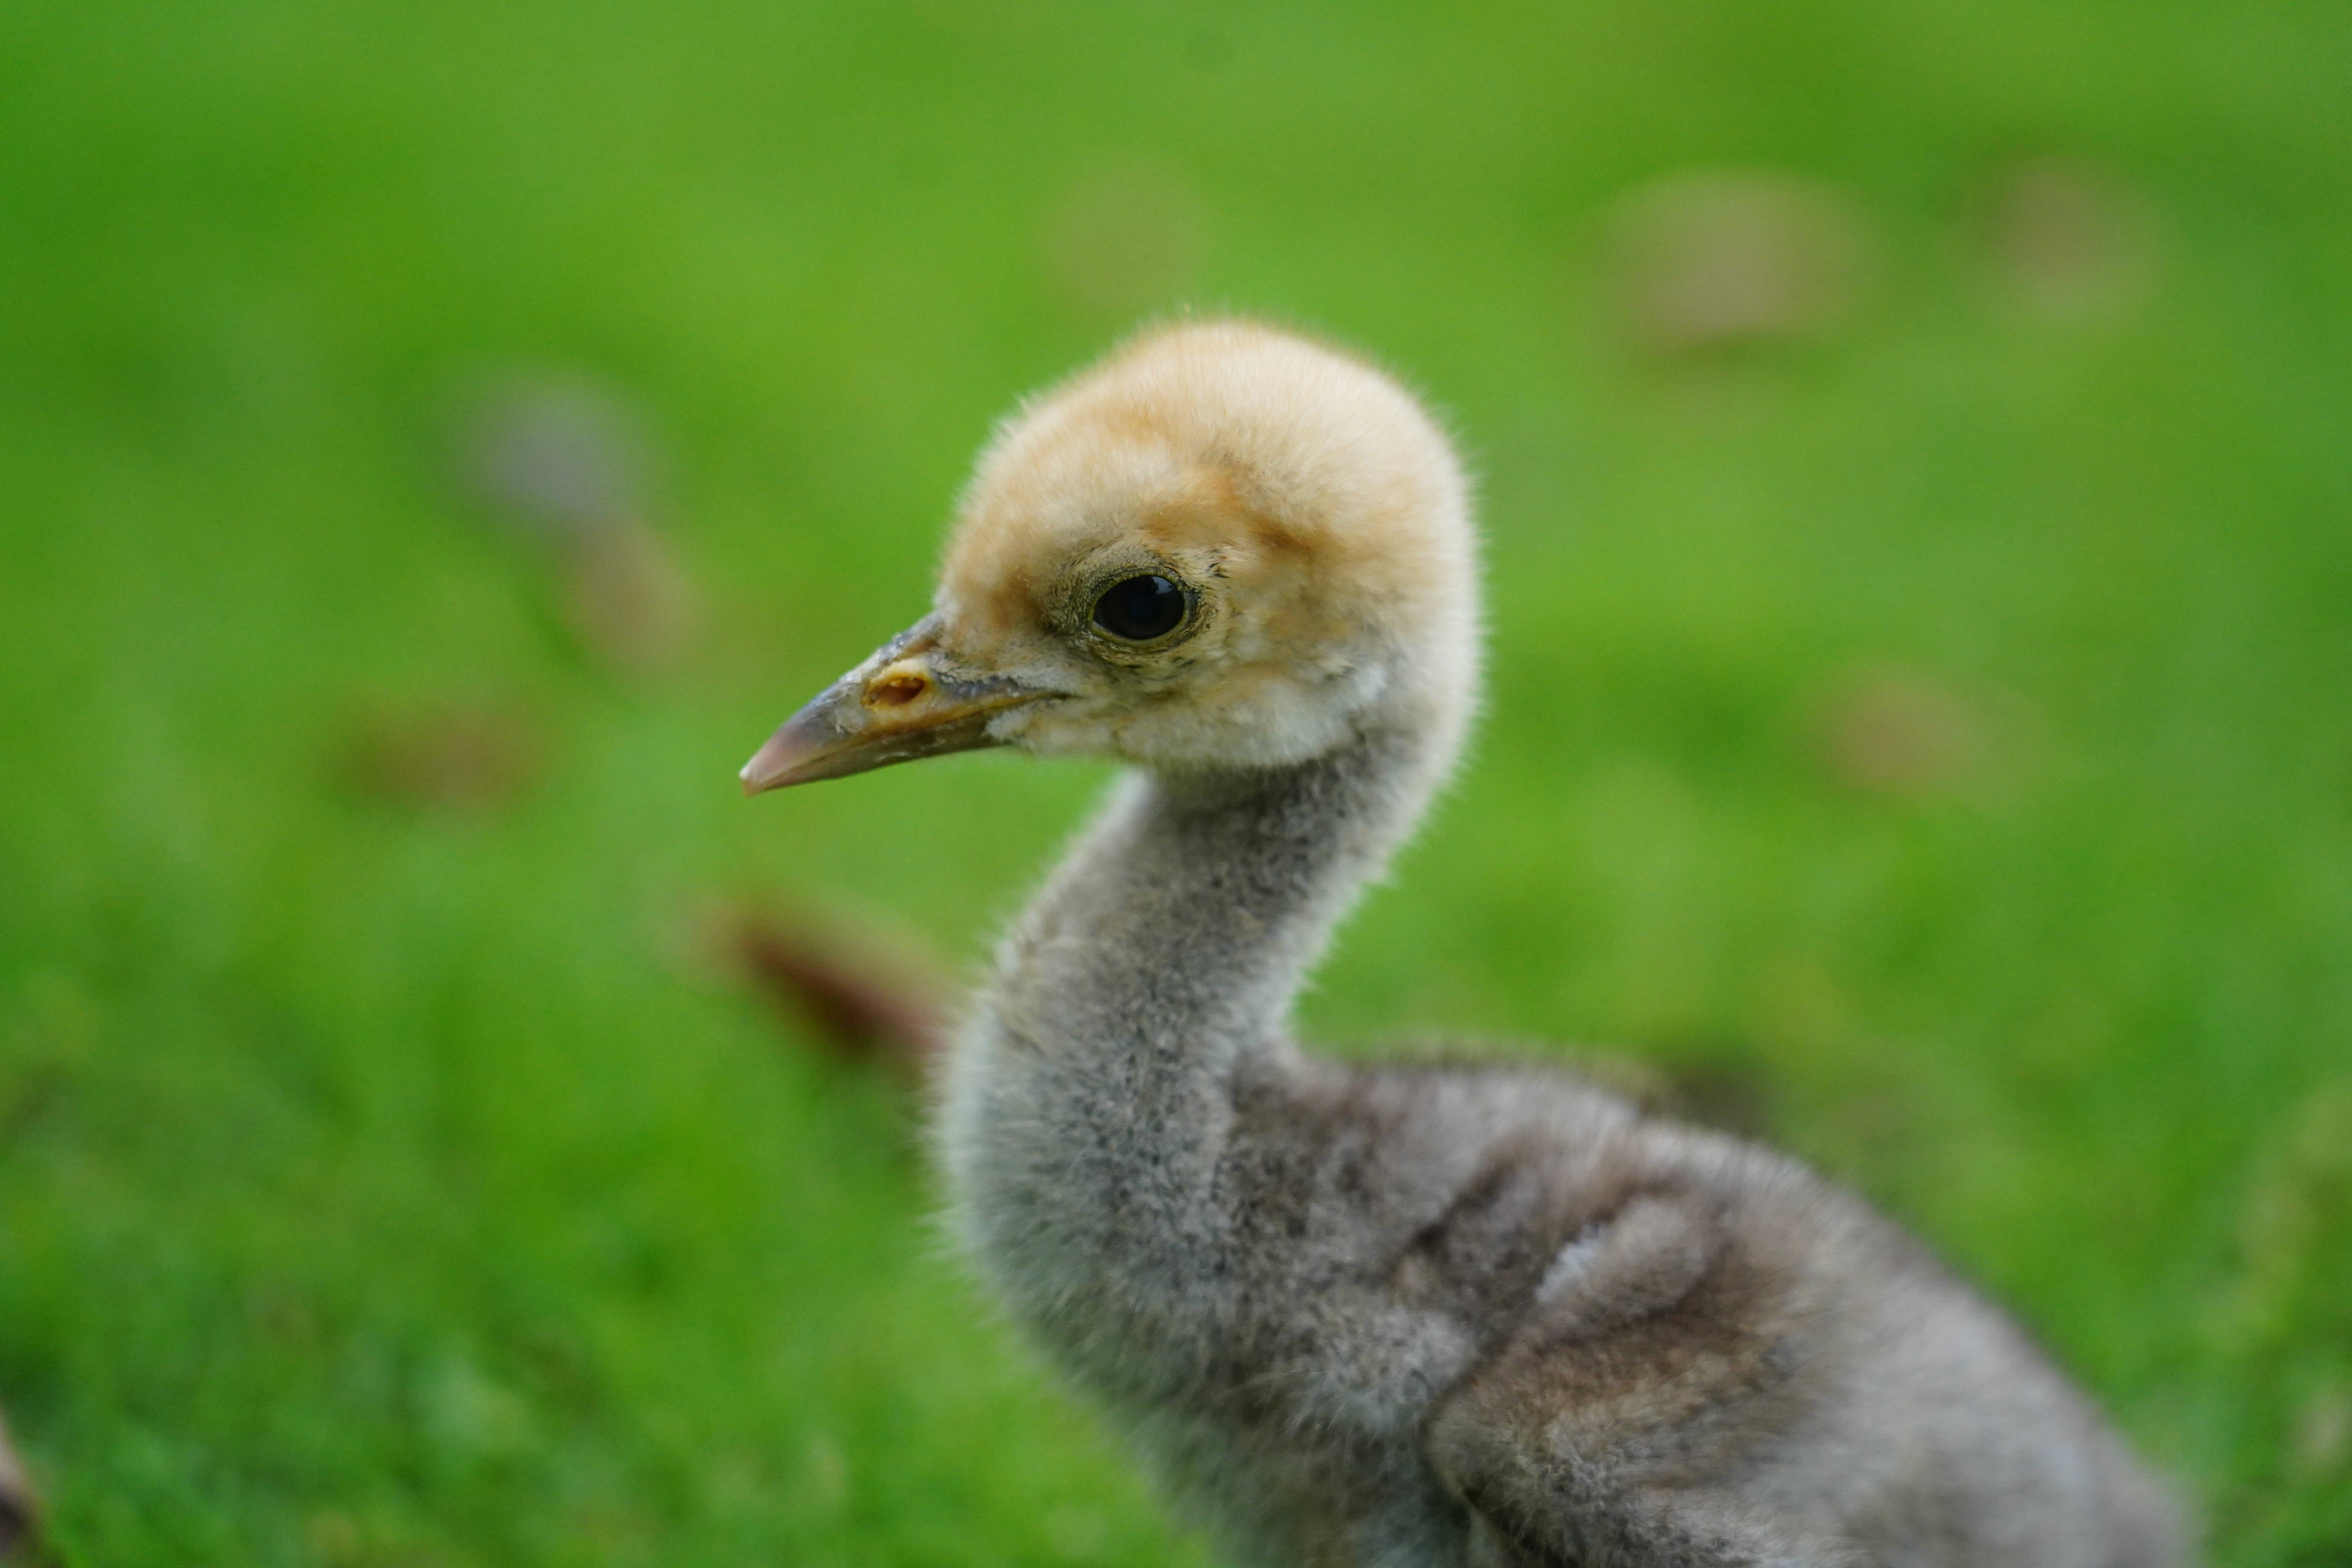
(1401, 1317)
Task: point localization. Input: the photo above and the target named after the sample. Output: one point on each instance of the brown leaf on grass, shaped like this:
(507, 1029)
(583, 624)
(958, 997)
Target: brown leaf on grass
(865, 998)
(1722, 260)
(20, 1507)
(1901, 732)
(2069, 239)
(559, 452)
(630, 598)
(1127, 236)
(572, 460)
(461, 756)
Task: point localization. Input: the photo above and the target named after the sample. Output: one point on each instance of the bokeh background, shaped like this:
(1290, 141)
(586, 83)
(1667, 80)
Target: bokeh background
(441, 1123)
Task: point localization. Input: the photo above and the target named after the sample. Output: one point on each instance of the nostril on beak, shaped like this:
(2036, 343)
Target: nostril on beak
(896, 690)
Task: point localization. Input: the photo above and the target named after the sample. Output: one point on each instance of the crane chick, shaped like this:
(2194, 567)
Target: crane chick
(1396, 1317)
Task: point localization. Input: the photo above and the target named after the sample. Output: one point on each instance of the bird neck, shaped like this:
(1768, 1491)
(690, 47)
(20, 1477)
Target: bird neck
(1184, 921)
(1088, 1101)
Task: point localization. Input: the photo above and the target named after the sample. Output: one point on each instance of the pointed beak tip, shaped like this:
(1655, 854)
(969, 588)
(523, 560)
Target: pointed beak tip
(779, 762)
(839, 733)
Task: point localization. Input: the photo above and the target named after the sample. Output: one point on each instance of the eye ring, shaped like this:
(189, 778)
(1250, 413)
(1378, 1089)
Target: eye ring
(1143, 608)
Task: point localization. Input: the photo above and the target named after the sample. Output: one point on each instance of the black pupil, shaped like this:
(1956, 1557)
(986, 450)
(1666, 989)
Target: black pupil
(1141, 608)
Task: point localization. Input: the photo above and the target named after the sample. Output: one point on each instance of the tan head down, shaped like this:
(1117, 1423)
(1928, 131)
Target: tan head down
(1224, 546)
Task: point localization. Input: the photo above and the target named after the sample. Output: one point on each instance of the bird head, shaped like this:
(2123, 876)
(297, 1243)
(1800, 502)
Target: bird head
(1222, 548)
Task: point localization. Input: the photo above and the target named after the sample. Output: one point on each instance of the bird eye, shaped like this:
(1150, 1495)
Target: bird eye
(1141, 608)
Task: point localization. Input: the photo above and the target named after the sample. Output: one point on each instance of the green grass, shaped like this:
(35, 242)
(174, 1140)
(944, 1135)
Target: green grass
(386, 1184)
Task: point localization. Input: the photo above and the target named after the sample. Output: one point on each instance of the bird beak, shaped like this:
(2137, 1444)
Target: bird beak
(905, 702)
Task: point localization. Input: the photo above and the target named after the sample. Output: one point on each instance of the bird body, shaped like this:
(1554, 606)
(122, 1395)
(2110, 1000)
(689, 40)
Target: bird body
(1401, 1317)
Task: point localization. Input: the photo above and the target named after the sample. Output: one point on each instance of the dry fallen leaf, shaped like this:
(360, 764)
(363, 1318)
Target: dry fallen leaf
(572, 462)
(558, 452)
(867, 998)
(630, 598)
(1721, 259)
(2069, 240)
(1902, 733)
(458, 756)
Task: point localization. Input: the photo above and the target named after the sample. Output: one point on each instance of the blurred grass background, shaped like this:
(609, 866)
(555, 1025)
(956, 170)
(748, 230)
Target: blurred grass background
(1916, 450)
